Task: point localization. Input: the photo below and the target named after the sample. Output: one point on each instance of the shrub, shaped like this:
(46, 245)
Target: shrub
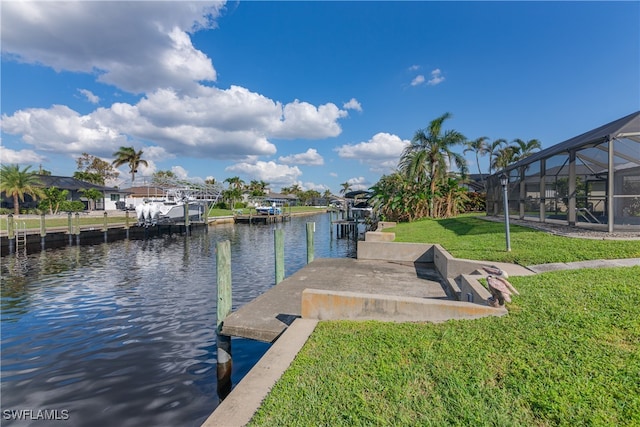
(71, 206)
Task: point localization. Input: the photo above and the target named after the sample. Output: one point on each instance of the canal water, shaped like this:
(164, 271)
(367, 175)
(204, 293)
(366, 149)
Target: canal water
(123, 333)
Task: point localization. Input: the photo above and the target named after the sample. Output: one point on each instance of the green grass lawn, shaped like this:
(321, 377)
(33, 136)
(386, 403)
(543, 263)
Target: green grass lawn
(567, 354)
(63, 221)
(474, 238)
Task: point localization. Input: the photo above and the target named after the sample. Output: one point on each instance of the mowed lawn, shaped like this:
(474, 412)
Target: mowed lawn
(568, 354)
(470, 237)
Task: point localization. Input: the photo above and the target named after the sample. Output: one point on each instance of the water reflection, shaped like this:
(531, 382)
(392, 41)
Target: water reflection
(124, 333)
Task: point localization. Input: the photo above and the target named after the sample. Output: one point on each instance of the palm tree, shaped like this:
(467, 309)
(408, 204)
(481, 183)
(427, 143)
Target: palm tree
(128, 155)
(345, 188)
(504, 157)
(236, 185)
(492, 150)
(429, 151)
(480, 148)
(257, 188)
(92, 195)
(525, 149)
(18, 183)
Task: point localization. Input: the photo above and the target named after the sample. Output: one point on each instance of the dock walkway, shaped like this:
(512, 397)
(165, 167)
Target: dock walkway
(266, 317)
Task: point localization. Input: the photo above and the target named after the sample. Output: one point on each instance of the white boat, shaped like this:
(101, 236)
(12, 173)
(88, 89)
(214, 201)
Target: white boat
(268, 210)
(168, 210)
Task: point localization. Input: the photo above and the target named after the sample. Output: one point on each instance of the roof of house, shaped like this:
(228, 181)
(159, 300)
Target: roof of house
(275, 196)
(69, 183)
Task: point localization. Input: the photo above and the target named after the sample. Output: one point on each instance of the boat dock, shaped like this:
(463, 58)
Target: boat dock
(261, 219)
(389, 281)
(37, 239)
(266, 317)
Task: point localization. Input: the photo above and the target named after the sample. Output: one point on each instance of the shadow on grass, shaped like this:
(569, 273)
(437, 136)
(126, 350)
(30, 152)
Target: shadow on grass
(471, 226)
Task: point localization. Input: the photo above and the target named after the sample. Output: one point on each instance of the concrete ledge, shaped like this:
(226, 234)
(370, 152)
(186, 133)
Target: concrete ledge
(472, 291)
(394, 251)
(445, 263)
(454, 288)
(379, 236)
(385, 224)
(335, 305)
(244, 400)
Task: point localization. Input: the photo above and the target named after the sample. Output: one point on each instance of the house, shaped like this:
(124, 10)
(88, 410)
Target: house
(74, 186)
(277, 198)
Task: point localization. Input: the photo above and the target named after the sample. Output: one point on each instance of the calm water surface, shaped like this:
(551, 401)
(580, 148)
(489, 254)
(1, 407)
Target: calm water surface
(123, 333)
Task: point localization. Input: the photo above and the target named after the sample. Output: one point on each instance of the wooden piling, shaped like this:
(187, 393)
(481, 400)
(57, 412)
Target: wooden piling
(278, 235)
(70, 227)
(126, 223)
(43, 230)
(223, 342)
(11, 233)
(77, 228)
(186, 218)
(311, 228)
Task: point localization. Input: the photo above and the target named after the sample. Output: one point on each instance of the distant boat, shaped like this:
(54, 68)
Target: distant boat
(168, 210)
(268, 210)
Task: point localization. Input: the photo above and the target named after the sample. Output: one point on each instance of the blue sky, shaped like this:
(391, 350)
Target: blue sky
(307, 93)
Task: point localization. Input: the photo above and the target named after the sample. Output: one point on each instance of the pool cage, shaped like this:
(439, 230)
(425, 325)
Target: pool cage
(590, 181)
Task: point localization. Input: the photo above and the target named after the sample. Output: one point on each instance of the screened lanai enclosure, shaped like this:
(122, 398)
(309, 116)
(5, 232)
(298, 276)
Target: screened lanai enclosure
(590, 181)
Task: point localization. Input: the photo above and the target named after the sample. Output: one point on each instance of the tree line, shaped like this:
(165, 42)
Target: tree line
(421, 186)
(18, 182)
(424, 186)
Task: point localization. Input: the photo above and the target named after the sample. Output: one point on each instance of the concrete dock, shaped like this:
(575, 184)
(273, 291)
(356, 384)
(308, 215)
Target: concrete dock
(266, 317)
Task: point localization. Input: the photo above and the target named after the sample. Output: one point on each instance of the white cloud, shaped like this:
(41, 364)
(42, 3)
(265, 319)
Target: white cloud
(358, 183)
(214, 123)
(381, 152)
(303, 120)
(270, 172)
(333, 174)
(136, 46)
(21, 157)
(180, 172)
(418, 80)
(383, 146)
(61, 129)
(414, 68)
(353, 104)
(145, 47)
(436, 77)
(313, 186)
(309, 157)
(94, 99)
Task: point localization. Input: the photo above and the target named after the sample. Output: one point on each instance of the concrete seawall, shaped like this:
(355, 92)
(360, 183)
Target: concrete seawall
(336, 305)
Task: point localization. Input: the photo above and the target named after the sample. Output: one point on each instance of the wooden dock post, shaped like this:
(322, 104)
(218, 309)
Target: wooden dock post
(105, 226)
(278, 240)
(126, 223)
(70, 227)
(205, 216)
(77, 228)
(11, 233)
(186, 218)
(43, 230)
(311, 228)
(223, 342)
